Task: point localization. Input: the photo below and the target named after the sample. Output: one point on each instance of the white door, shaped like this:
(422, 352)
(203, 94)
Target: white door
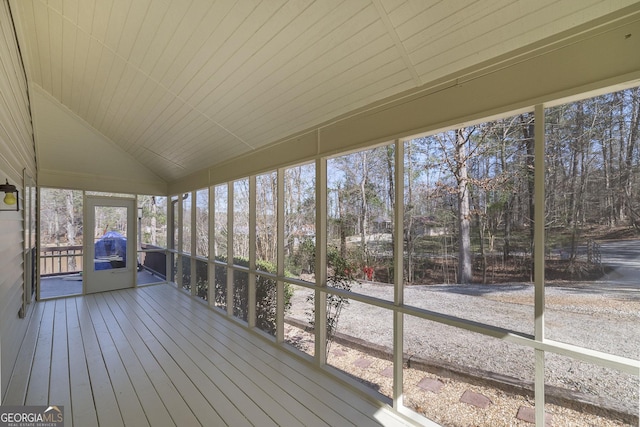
(110, 256)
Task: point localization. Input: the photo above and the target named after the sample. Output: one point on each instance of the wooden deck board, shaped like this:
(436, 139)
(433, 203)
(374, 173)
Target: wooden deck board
(155, 356)
(334, 398)
(236, 408)
(193, 388)
(59, 385)
(104, 396)
(277, 385)
(19, 381)
(128, 400)
(178, 409)
(238, 377)
(38, 388)
(152, 405)
(83, 409)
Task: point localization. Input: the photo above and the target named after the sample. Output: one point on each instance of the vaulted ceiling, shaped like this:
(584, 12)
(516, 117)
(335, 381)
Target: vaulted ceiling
(181, 85)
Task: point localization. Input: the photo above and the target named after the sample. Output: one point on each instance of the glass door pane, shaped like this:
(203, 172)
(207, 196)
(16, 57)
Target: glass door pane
(110, 241)
(111, 254)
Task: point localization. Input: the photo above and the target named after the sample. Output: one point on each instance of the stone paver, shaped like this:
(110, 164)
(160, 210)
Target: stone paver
(362, 363)
(475, 399)
(431, 384)
(387, 372)
(528, 415)
(338, 352)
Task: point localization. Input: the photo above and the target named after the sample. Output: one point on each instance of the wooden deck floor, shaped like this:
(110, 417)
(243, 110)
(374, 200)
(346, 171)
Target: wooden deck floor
(153, 356)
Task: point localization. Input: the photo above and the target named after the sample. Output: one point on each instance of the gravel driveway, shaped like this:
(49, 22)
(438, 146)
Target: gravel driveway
(593, 320)
(602, 315)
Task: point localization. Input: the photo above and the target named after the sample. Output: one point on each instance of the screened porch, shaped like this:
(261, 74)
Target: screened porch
(154, 356)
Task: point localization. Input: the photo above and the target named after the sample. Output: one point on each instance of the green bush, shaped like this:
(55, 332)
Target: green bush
(341, 276)
(266, 293)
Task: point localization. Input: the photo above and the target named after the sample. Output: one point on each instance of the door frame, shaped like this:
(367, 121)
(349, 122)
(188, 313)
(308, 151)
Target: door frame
(111, 279)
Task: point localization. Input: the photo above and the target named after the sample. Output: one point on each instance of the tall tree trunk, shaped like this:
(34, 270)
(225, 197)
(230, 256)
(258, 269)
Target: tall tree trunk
(274, 211)
(364, 207)
(71, 228)
(620, 199)
(342, 223)
(574, 195)
(607, 167)
(508, 214)
(481, 227)
(465, 273)
(154, 224)
(632, 138)
(528, 127)
(392, 198)
(408, 219)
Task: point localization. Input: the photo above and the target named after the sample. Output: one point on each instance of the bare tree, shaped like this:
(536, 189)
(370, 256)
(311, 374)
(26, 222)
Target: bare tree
(465, 272)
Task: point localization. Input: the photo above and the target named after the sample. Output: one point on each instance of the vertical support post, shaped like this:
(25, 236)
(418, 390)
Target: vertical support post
(168, 265)
(398, 276)
(320, 298)
(230, 270)
(212, 248)
(280, 256)
(539, 261)
(180, 248)
(251, 303)
(194, 251)
(85, 260)
(138, 210)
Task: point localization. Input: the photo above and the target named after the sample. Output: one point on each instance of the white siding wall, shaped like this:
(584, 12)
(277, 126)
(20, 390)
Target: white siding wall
(17, 153)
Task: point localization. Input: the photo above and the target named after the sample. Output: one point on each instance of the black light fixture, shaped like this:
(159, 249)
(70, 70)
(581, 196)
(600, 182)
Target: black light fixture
(11, 197)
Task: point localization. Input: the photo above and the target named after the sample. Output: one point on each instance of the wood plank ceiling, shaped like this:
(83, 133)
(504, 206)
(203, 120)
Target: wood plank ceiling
(184, 84)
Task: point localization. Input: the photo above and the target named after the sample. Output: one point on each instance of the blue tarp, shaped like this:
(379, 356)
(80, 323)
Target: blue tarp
(111, 245)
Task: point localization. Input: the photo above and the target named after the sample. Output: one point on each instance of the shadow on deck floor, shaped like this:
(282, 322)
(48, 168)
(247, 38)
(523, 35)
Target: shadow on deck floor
(71, 284)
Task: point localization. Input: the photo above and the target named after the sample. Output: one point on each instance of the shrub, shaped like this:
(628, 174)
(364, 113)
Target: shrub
(266, 293)
(341, 276)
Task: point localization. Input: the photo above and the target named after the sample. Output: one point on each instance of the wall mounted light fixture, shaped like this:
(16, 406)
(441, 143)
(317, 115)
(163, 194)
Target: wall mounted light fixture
(11, 201)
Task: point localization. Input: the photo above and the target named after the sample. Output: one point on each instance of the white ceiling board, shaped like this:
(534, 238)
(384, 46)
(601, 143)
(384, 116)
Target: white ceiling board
(132, 27)
(327, 104)
(70, 9)
(298, 45)
(81, 52)
(336, 53)
(56, 5)
(147, 30)
(161, 34)
(55, 53)
(182, 85)
(201, 68)
(194, 47)
(123, 99)
(193, 16)
(117, 19)
(85, 15)
(391, 5)
(41, 42)
(232, 58)
(69, 145)
(69, 45)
